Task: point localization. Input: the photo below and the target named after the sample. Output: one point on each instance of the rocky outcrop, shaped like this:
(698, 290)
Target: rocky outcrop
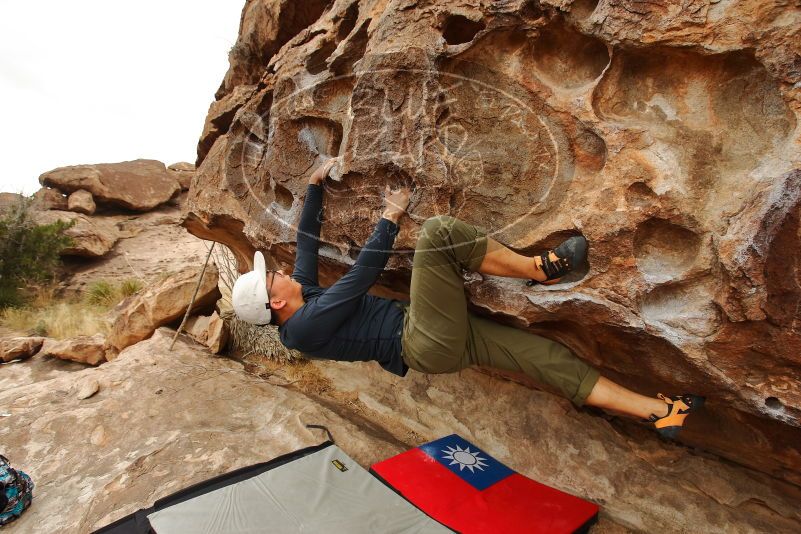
(81, 349)
(667, 134)
(150, 244)
(144, 426)
(19, 348)
(48, 198)
(137, 317)
(81, 201)
(138, 185)
(91, 236)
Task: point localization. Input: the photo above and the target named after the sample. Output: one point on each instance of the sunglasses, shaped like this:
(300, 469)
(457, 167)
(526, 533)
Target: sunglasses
(272, 280)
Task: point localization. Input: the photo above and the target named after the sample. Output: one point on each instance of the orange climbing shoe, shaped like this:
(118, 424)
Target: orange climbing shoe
(679, 407)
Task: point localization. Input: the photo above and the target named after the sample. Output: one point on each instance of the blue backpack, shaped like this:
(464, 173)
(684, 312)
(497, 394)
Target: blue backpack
(16, 492)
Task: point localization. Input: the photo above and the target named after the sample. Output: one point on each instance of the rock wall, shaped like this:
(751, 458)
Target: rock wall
(665, 132)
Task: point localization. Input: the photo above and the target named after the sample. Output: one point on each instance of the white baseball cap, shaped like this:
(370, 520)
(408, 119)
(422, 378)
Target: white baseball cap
(249, 294)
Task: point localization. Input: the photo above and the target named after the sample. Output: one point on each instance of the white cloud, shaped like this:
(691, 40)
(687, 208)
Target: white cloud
(94, 81)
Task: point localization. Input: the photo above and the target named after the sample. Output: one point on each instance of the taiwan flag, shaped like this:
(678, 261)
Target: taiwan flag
(466, 489)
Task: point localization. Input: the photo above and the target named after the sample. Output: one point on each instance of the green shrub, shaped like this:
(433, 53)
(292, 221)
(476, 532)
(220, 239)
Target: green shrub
(102, 293)
(108, 294)
(29, 253)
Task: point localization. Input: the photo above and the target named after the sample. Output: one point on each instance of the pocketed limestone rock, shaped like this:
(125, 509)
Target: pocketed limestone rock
(667, 136)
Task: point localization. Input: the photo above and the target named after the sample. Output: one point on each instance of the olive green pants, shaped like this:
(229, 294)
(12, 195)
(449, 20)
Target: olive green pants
(441, 336)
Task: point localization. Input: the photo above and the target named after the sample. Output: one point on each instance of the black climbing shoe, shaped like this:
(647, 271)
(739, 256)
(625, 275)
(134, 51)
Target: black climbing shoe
(679, 407)
(570, 254)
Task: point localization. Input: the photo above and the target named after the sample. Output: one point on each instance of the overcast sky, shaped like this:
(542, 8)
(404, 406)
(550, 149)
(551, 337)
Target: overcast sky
(97, 81)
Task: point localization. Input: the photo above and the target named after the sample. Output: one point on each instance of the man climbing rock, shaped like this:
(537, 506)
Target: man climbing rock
(434, 332)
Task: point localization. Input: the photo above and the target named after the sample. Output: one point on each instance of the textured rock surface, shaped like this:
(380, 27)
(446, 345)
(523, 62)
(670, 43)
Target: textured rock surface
(48, 198)
(138, 316)
(91, 236)
(150, 245)
(12, 348)
(159, 421)
(81, 201)
(209, 330)
(667, 133)
(183, 172)
(81, 349)
(138, 185)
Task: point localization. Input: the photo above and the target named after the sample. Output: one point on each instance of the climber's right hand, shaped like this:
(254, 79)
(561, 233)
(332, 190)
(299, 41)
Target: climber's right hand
(322, 171)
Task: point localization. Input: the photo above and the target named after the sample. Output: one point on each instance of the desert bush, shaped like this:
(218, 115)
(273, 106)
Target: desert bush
(129, 287)
(101, 292)
(108, 294)
(29, 253)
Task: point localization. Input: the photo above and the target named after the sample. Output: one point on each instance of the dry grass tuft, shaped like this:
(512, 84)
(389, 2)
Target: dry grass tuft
(259, 340)
(47, 315)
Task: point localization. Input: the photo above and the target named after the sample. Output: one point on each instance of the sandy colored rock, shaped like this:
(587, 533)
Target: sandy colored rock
(540, 120)
(137, 317)
(91, 236)
(183, 173)
(149, 245)
(13, 348)
(48, 198)
(208, 330)
(198, 328)
(163, 424)
(138, 185)
(86, 388)
(217, 337)
(81, 201)
(81, 349)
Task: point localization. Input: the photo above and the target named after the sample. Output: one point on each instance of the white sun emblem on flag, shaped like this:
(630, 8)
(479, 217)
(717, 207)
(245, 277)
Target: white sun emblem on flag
(465, 458)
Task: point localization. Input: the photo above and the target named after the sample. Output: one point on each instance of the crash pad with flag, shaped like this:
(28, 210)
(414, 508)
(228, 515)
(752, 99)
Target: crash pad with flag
(466, 489)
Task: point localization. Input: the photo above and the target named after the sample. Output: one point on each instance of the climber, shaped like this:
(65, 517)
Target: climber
(434, 332)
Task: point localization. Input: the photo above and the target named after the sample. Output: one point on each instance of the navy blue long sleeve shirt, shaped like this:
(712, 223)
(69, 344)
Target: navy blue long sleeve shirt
(343, 322)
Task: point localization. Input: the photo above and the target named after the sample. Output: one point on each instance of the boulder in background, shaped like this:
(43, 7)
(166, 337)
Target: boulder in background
(138, 185)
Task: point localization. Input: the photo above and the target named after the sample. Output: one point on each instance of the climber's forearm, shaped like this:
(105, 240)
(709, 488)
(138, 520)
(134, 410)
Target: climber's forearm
(308, 238)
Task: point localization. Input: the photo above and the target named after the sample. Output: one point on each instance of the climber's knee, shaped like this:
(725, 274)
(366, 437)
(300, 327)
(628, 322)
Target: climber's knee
(436, 229)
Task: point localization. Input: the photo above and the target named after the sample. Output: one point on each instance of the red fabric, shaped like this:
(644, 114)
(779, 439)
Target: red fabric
(515, 504)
